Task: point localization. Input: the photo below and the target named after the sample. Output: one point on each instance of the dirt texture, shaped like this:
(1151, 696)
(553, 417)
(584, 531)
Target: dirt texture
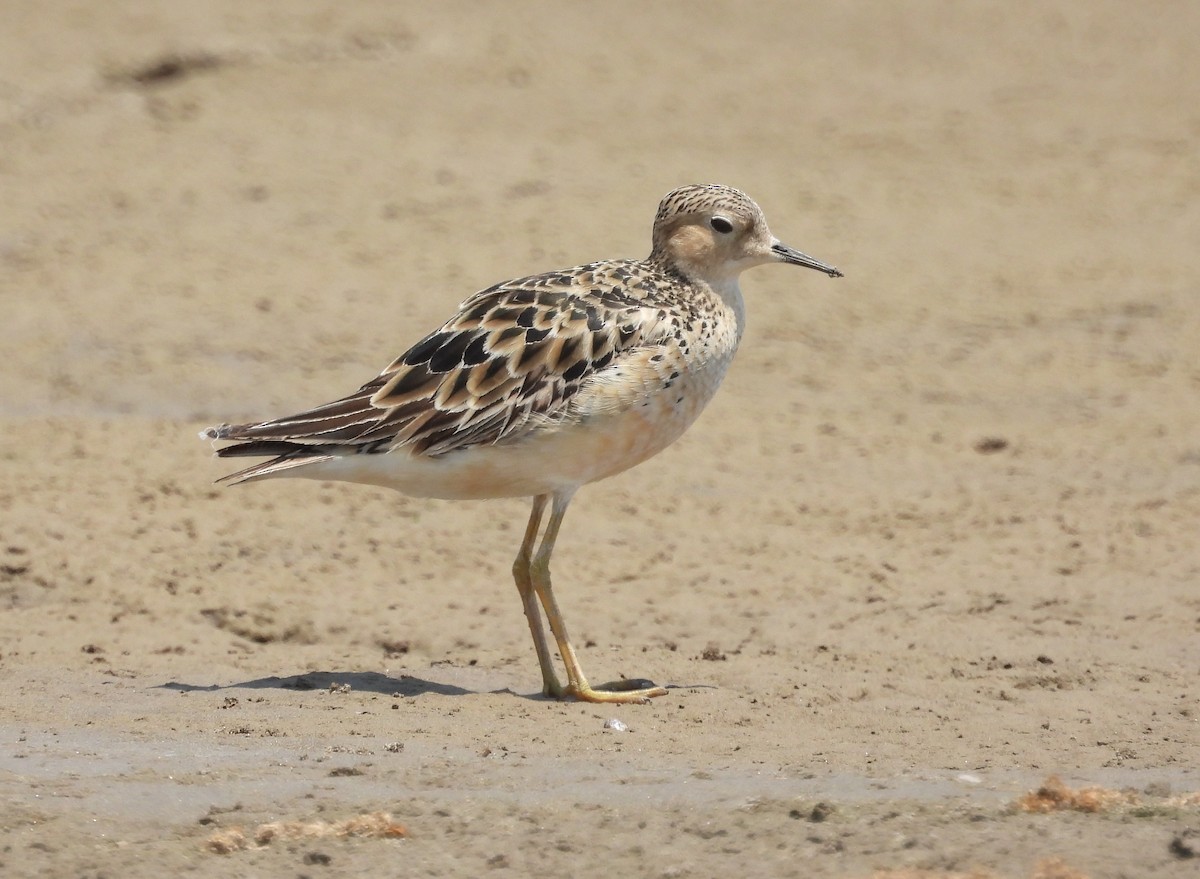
(935, 541)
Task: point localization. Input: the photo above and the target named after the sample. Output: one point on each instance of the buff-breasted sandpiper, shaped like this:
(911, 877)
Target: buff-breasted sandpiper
(543, 384)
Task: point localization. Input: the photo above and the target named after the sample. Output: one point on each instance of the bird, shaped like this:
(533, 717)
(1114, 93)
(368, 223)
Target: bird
(540, 385)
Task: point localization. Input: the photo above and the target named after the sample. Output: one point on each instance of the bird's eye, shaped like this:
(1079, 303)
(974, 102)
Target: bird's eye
(720, 224)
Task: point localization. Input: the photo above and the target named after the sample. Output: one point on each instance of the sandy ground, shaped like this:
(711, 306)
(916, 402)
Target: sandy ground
(935, 540)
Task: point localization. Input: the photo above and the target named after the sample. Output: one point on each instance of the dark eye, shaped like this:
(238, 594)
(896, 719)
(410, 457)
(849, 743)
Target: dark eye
(720, 224)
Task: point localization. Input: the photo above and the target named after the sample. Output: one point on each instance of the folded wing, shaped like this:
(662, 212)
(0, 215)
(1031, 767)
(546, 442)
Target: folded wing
(512, 359)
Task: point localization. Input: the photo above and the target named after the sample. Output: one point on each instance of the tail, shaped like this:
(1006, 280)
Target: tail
(285, 455)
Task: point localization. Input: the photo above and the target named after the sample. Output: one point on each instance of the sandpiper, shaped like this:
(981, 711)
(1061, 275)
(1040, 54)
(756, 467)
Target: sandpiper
(543, 384)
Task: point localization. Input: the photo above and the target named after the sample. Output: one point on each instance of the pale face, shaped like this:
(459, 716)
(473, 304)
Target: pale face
(716, 234)
(719, 244)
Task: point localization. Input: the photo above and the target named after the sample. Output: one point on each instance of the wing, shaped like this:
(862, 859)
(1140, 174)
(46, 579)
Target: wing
(511, 358)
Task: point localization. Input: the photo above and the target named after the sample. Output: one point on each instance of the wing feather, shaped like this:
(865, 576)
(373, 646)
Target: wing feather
(512, 358)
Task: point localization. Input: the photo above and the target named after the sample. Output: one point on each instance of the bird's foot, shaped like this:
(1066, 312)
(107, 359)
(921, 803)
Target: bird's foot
(624, 691)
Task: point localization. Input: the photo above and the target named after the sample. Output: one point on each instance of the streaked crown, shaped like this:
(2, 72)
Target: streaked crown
(701, 199)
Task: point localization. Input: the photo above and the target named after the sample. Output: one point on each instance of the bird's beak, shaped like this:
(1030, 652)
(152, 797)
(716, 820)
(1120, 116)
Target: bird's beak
(794, 257)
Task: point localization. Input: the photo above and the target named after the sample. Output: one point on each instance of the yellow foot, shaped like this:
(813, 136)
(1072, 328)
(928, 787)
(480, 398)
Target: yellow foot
(637, 692)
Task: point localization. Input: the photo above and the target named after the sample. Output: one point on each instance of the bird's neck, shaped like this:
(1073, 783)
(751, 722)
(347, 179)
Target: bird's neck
(725, 287)
(731, 294)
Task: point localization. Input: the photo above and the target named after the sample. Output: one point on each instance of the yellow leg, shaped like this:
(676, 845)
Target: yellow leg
(539, 570)
(521, 573)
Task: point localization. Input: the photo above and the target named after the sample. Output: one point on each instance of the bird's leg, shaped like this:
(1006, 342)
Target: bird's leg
(522, 574)
(539, 570)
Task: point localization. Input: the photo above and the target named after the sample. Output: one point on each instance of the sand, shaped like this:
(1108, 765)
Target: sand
(934, 541)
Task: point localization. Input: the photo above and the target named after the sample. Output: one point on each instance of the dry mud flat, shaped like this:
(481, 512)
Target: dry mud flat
(934, 542)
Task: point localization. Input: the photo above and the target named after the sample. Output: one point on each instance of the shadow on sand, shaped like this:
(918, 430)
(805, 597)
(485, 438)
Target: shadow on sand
(373, 682)
(363, 681)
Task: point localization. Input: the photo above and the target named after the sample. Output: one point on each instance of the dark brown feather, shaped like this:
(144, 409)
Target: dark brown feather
(514, 353)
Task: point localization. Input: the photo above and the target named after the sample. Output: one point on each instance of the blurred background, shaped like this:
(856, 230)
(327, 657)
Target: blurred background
(940, 519)
(215, 210)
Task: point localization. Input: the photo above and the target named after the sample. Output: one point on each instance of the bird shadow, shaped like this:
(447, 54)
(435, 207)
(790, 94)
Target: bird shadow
(362, 681)
(373, 682)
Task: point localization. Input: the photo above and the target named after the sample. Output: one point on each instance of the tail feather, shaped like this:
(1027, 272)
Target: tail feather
(284, 455)
(274, 467)
(263, 448)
